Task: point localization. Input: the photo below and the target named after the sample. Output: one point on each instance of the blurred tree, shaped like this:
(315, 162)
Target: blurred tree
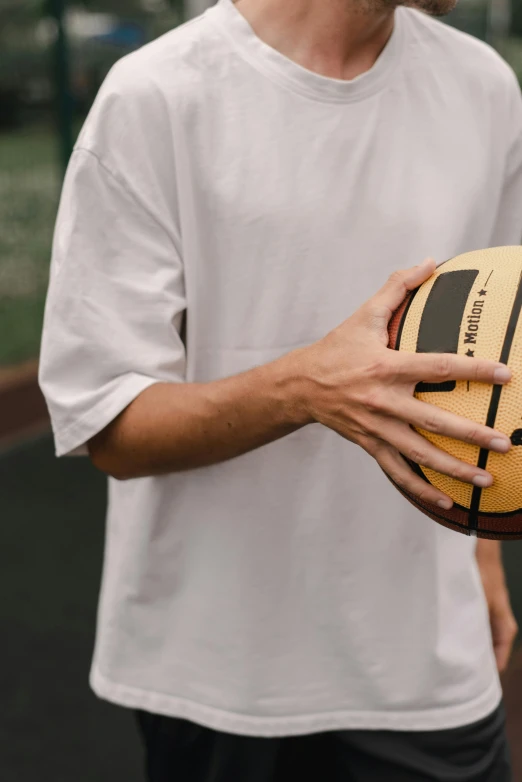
(17, 22)
(196, 7)
(516, 18)
(62, 80)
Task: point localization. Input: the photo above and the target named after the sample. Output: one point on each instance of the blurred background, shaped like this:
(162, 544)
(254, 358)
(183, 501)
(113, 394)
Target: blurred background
(54, 55)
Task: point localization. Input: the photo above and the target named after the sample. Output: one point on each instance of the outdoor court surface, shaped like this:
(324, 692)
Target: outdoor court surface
(52, 727)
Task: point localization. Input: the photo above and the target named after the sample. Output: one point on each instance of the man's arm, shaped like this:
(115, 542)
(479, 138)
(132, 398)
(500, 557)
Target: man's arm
(349, 381)
(175, 427)
(504, 627)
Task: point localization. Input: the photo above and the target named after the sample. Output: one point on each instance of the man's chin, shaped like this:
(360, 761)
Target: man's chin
(432, 7)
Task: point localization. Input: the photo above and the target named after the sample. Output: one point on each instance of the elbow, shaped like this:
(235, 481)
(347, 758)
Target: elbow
(107, 460)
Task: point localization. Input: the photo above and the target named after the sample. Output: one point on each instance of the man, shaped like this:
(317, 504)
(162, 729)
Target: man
(271, 606)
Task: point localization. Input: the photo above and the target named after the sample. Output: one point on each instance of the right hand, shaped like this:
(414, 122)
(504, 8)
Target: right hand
(364, 391)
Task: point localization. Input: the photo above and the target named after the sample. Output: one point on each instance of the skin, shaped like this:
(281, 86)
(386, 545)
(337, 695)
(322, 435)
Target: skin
(368, 398)
(503, 625)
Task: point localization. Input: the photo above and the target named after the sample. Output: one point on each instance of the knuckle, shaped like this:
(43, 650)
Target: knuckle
(375, 311)
(406, 366)
(372, 428)
(402, 481)
(425, 495)
(406, 480)
(433, 422)
(398, 279)
(371, 446)
(418, 455)
(473, 434)
(478, 369)
(384, 369)
(373, 400)
(460, 472)
(392, 468)
(377, 368)
(443, 367)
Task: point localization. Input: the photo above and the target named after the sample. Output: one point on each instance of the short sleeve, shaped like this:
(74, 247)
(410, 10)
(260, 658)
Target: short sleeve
(115, 303)
(508, 227)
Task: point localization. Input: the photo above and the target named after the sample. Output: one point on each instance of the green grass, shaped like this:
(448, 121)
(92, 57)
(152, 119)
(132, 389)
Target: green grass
(21, 327)
(29, 190)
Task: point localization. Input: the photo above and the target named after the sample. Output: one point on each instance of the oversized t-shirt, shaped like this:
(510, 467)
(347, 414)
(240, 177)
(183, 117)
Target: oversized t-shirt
(292, 589)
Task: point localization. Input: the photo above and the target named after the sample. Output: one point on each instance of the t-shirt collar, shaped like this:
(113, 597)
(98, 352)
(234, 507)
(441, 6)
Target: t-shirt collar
(280, 68)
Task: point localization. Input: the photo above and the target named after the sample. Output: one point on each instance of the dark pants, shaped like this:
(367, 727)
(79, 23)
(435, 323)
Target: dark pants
(179, 751)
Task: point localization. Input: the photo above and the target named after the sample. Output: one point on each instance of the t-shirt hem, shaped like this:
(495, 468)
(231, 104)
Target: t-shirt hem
(271, 727)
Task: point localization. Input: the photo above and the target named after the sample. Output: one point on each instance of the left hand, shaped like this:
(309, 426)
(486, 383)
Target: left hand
(503, 624)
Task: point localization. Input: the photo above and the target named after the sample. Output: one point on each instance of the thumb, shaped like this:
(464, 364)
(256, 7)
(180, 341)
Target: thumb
(393, 293)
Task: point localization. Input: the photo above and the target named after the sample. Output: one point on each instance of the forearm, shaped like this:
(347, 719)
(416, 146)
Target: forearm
(176, 427)
(491, 566)
(502, 621)
(489, 552)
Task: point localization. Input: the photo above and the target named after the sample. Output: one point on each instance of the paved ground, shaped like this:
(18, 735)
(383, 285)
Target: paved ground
(51, 538)
(51, 727)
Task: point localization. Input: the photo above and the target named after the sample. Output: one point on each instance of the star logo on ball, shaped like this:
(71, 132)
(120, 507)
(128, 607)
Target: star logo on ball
(470, 353)
(482, 292)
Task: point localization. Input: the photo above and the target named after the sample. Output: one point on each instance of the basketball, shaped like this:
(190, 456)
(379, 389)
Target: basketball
(471, 306)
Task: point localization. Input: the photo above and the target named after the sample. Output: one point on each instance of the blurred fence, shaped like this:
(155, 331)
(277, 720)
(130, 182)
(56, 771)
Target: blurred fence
(48, 80)
(47, 84)
(29, 187)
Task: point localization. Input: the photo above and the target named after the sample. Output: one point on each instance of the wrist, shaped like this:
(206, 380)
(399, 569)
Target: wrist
(293, 382)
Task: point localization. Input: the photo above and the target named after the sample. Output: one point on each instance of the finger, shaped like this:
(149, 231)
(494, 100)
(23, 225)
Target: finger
(393, 293)
(504, 631)
(502, 655)
(403, 476)
(432, 419)
(420, 451)
(440, 367)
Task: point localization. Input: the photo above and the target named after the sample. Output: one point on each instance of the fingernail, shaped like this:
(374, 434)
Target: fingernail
(447, 504)
(500, 445)
(482, 480)
(502, 375)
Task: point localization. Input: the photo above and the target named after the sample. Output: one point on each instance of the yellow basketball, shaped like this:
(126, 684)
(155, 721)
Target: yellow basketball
(471, 306)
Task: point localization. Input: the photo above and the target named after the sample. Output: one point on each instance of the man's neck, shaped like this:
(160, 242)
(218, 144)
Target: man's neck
(340, 39)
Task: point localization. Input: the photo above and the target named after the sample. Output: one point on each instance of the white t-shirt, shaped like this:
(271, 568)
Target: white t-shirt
(293, 589)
